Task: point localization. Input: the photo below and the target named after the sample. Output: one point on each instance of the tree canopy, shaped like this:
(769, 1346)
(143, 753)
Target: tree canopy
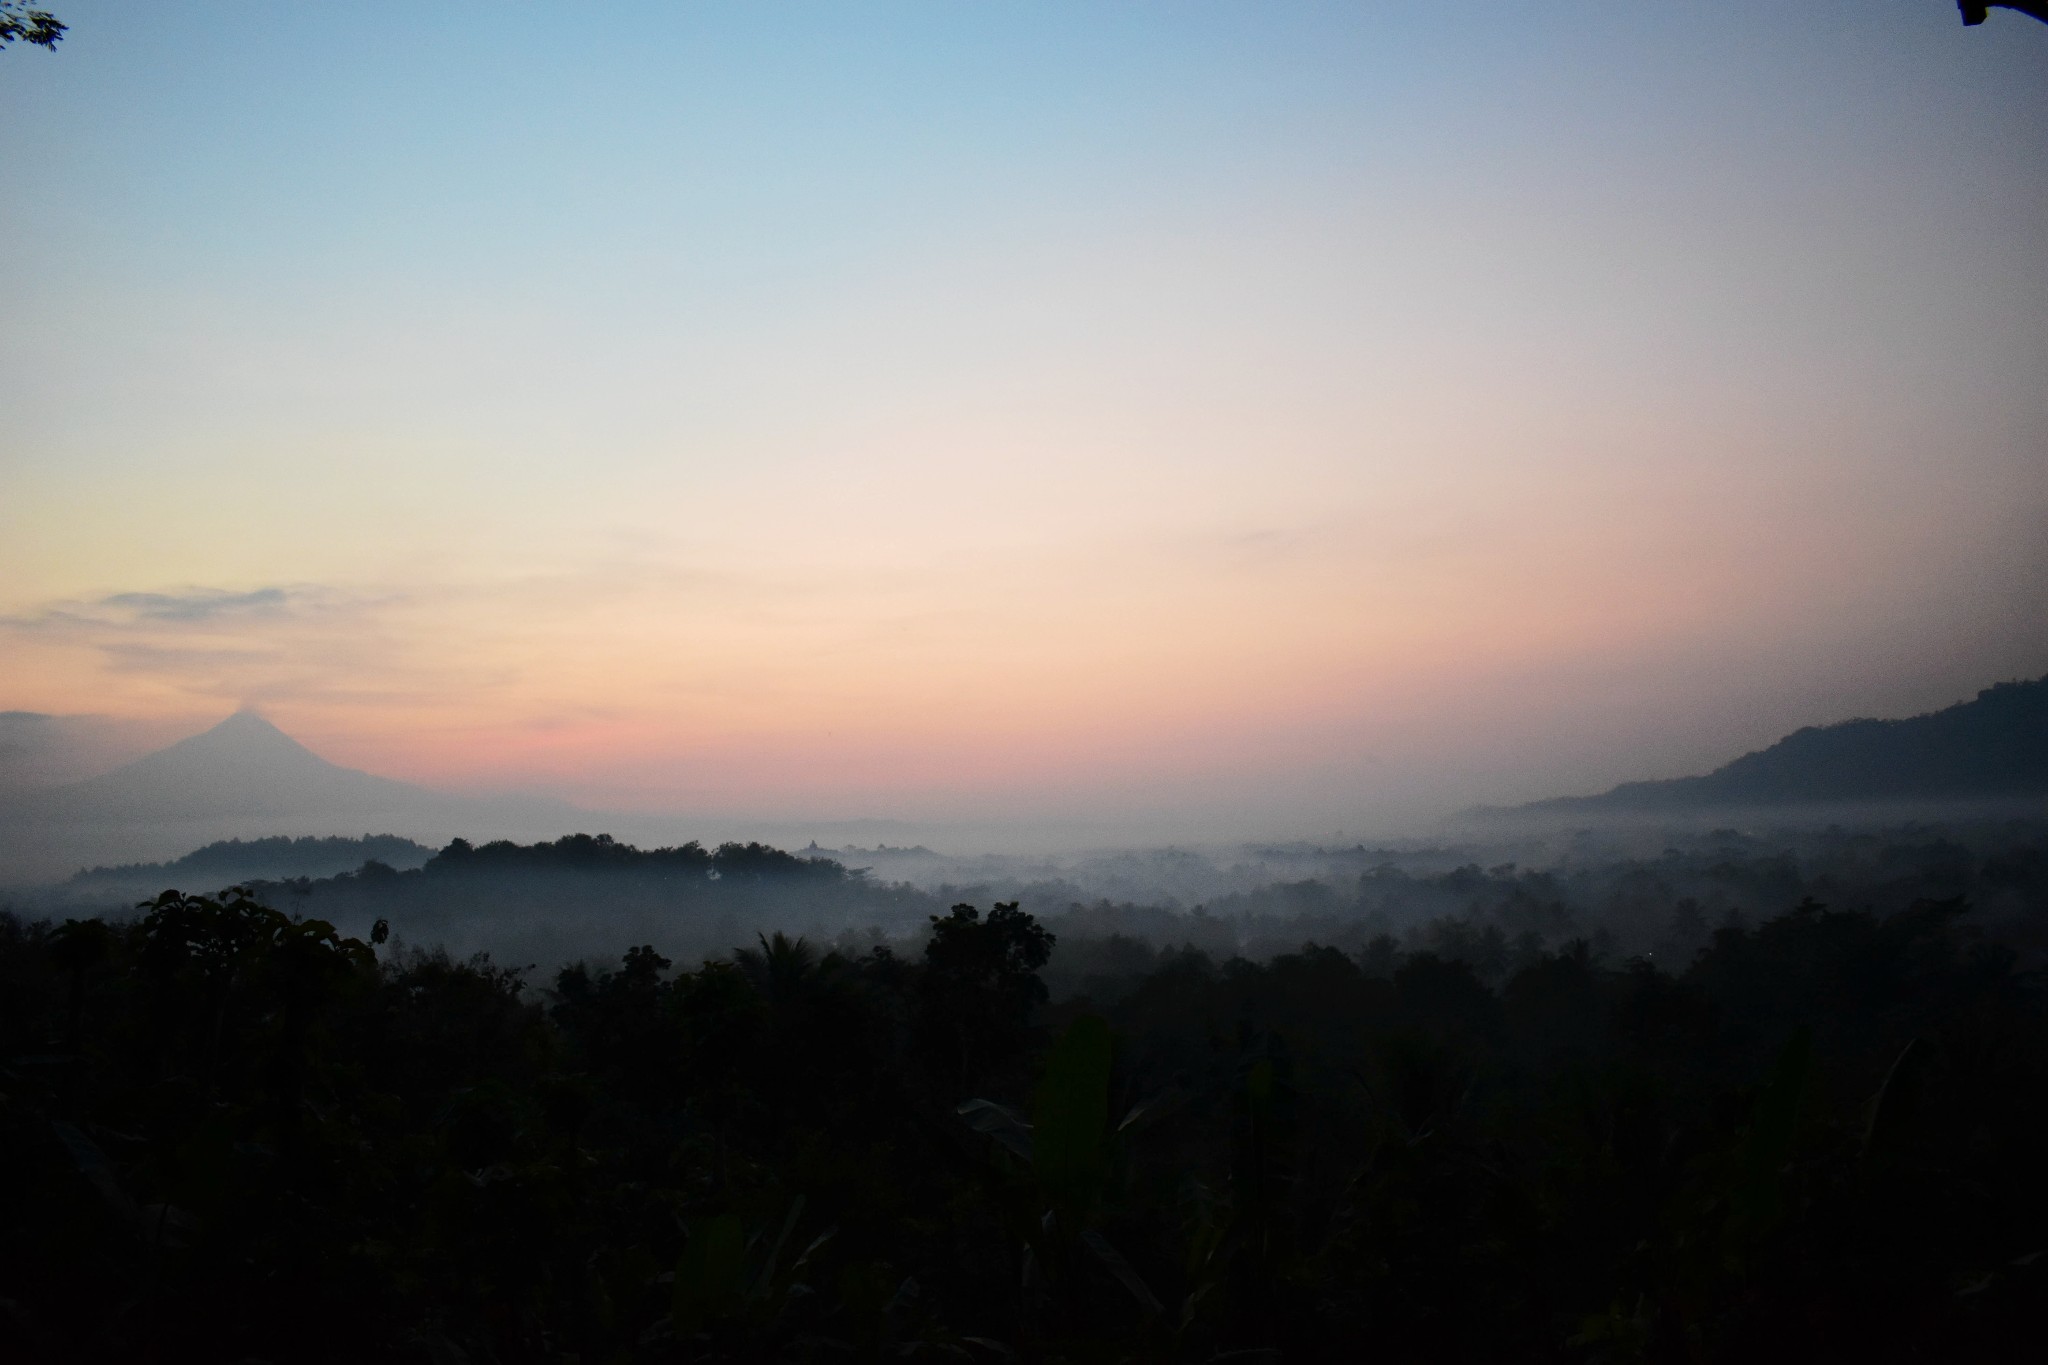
(233, 1134)
(36, 27)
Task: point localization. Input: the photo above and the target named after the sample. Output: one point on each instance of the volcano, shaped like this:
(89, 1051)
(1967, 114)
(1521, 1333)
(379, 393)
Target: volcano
(244, 766)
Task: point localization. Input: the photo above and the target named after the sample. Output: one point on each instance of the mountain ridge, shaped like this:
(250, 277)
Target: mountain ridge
(241, 778)
(1990, 748)
(244, 765)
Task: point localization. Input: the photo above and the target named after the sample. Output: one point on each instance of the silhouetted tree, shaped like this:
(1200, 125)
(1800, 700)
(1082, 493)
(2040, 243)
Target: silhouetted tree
(979, 989)
(36, 27)
(1976, 11)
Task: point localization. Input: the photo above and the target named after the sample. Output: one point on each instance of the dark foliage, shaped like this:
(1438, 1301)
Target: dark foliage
(36, 27)
(1976, 11)
(278, 857)
(234, 1135)
(561, 900)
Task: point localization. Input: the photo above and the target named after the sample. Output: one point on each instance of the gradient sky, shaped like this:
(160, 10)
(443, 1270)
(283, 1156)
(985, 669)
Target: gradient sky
(1263, 417)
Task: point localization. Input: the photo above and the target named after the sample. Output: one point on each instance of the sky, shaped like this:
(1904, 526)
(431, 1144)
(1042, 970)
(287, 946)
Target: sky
(1245, 418)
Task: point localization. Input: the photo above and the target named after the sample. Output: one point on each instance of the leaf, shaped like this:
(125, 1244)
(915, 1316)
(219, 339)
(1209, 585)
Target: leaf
(1000, 1122)
(816, 1242)
(169, 1225)
(1112, 1260)
(92, 1163)
(764, 1281)
(1891, 1108)
(442, 1351)
(991, 1344)
(1147, 1112)
(906, 1294)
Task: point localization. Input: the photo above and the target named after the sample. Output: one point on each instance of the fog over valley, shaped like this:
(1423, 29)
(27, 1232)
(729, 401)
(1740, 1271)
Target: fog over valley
(1952, 804)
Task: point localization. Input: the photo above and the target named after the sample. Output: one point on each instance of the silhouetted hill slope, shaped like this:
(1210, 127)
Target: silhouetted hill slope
(42, 751)
(1993, 747)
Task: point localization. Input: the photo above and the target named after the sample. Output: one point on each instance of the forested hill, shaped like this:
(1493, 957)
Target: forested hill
(1993, 747)
(281, 856)
(551, 901)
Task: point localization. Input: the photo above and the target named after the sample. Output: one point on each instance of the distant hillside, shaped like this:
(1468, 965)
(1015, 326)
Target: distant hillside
(245, 767)
(1994, 747)
(275, 859)
(242, 766)
(42, 751)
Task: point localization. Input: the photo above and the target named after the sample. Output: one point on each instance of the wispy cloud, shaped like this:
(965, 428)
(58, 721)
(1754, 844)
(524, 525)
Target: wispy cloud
(220, 643)
(173, 608)
(442, 647)
(197, 604)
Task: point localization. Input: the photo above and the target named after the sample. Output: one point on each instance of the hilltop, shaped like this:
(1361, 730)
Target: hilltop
(1990, 749)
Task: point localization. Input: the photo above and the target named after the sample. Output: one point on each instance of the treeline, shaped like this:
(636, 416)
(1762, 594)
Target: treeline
(229, 860)
(1495, 908)
(232, 1135)
(1496, 914)
(559, 901)
(601, 853)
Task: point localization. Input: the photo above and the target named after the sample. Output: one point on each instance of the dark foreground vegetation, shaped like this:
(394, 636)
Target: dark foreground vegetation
(234, 1136)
